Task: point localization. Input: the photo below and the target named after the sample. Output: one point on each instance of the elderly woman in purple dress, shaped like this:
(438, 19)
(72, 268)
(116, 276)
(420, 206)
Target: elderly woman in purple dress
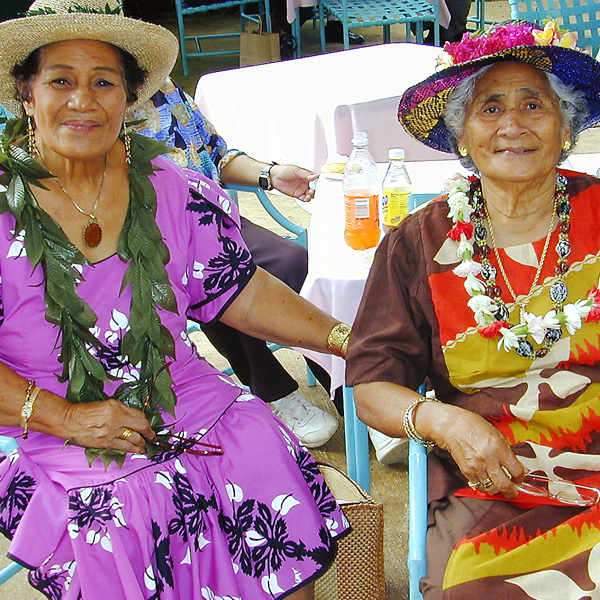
(141, 472)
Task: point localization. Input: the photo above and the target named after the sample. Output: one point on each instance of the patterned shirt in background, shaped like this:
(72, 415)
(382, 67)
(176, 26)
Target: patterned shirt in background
(172, 116)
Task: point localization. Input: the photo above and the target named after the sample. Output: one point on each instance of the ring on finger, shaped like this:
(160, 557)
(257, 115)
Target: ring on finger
(487, 484)
(127, 433)
(474, 485)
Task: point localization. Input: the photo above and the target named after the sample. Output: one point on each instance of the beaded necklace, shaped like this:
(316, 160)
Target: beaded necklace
(469, 212)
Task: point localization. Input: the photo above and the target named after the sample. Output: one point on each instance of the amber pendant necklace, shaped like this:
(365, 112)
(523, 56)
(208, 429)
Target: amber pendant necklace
(92, 232)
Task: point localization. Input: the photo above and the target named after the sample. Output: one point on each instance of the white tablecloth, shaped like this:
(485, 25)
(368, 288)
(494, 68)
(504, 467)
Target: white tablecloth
(337, 273)
(286, 111)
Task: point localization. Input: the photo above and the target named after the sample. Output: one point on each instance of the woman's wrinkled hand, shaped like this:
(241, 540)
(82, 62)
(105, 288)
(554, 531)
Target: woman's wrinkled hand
(293, 181)
(106, 424)
(481, 452)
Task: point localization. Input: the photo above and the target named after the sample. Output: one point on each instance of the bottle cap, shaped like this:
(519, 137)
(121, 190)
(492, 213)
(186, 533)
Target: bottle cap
(396, 154)
(360, 138)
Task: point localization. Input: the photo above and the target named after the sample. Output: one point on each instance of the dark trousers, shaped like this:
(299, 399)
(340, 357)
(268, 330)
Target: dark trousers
(250, 358)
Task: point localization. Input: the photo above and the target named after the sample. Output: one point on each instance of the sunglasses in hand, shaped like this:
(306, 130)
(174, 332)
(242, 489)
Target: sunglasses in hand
(187, 445)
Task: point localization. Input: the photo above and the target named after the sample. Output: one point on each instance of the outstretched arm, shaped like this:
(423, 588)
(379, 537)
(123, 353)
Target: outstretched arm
(270, 310)
(288, 179)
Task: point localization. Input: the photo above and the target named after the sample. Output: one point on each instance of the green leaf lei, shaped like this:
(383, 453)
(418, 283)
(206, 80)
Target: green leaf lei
(147, 343)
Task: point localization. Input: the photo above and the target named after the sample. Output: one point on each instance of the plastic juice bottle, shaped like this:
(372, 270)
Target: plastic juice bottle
(361, 196)
(396, 190)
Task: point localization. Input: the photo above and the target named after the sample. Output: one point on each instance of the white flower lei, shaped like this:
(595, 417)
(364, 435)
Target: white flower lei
(484, 308)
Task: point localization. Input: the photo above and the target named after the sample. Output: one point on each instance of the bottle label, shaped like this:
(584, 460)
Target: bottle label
(362, 219)
(394, 206)
(361, 207)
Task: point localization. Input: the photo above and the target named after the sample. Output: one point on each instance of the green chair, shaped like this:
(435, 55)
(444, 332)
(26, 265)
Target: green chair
(582, 16)
(184, 9)
(384, 13)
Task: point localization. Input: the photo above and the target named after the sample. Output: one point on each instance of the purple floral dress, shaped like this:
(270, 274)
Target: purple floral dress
(256, 522)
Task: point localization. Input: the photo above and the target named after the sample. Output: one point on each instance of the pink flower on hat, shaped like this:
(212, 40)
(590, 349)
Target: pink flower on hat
(474, 46)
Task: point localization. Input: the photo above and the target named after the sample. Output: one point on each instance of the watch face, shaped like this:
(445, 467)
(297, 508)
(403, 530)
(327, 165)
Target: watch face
(263, 182)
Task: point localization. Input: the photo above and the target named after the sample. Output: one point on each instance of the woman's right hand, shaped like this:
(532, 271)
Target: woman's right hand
(101, 425)
(478, 448)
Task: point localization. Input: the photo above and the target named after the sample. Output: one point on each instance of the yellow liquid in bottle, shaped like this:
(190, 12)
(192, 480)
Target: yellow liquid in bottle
(394, 206)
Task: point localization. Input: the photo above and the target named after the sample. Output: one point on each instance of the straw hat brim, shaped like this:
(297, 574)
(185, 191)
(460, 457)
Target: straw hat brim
(422, 107)
(154, 47)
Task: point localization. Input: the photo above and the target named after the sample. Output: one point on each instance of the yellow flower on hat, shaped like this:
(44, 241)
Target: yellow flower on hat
(553, 35)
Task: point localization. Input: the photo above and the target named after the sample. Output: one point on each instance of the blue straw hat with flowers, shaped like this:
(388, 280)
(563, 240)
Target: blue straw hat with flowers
(422, 106)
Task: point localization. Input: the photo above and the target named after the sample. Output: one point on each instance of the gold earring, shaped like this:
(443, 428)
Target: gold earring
(566, 146)
(31, 145)
(462, 151)
(127, 142)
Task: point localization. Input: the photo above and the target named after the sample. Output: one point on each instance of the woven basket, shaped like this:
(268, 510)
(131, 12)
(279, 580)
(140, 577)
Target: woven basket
(357, 572)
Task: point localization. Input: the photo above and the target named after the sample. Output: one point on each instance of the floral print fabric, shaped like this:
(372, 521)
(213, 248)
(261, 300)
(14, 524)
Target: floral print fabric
(254, 522)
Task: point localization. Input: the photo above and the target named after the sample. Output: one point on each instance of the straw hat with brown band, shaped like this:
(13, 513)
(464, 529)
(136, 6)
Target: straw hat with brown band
(48, 21)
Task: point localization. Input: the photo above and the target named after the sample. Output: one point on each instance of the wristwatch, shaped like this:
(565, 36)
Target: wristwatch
(264, 179)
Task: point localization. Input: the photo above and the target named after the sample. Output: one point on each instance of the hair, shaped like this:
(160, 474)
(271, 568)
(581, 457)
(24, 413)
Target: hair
(571, 104)
(25, 72)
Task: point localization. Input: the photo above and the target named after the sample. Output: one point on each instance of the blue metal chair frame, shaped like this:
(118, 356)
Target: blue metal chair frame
(300, 233)
(384, 13)
(479, 17)
(417, 518)
(7, 445)
(582, 16)
(183, 10)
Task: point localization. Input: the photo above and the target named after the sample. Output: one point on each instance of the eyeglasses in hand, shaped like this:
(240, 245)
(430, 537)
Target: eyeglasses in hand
(564, 491)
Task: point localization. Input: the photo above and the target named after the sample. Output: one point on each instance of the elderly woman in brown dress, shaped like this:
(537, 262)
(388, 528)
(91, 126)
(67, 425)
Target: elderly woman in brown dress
(490, 295)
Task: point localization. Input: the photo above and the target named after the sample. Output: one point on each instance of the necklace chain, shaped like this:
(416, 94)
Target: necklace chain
(92, 232)
(522, 304)
(558, 289)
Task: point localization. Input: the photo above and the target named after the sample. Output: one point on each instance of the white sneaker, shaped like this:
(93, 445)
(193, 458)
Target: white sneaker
(388, 450)
(312, 426)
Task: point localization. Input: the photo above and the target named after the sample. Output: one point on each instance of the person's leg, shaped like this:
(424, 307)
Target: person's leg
(459, 11)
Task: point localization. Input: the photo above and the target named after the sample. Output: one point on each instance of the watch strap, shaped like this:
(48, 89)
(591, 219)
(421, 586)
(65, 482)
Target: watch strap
(264, 179)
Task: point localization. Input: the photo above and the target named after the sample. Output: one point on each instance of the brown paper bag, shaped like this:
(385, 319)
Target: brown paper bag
(258, 47)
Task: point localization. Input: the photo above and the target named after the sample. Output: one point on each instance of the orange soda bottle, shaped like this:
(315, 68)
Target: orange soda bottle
(361, 196)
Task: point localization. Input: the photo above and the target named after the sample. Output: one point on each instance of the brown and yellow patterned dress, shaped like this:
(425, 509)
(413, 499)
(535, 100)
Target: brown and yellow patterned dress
(414, 323)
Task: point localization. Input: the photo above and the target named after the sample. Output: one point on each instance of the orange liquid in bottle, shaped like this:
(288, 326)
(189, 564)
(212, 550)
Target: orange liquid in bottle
(362, 219)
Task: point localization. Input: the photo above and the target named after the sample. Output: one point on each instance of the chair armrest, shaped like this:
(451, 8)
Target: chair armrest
(297, 230)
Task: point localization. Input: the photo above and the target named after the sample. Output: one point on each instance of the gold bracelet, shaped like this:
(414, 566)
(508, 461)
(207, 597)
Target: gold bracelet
(337, 340)
(27, 409)
(409, 423)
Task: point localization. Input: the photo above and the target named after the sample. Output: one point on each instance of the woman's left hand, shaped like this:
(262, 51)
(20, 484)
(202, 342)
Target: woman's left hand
(293, 181)
(479, 449)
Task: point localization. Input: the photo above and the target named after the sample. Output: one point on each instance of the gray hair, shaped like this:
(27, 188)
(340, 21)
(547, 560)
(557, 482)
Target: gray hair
(571, 104)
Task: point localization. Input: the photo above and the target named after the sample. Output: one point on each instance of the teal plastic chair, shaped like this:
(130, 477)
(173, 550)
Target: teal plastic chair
(479, 17)
(7, 445)
(582, 16)
(184, 10)
(417, 518)
(380, 13)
